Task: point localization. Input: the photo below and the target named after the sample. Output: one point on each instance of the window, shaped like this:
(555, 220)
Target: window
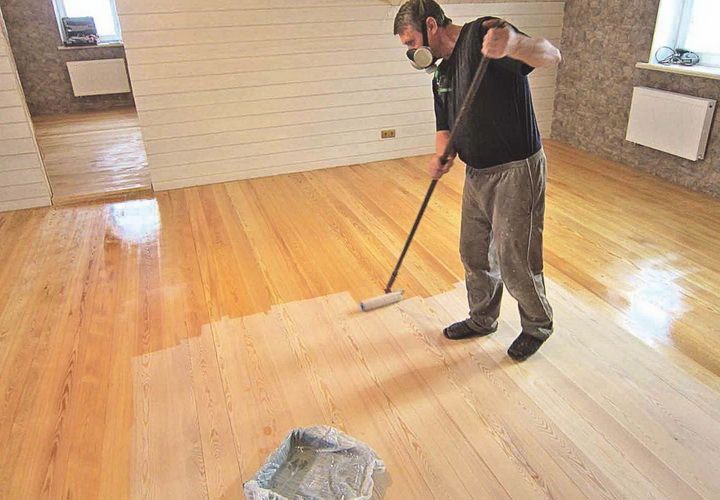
(689, 25)
(102, 11)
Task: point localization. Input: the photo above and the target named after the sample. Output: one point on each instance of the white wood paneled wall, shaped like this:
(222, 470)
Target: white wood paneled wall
(231, 89)
(22, 179)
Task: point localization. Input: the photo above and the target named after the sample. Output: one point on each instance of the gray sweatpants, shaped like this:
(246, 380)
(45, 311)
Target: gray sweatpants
(501, 242)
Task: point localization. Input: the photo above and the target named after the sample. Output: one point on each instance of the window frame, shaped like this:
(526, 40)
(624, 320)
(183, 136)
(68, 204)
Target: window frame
(672, 30)
(61, 12)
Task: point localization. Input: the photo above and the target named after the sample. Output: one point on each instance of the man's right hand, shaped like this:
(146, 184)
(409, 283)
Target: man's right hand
(436, 168)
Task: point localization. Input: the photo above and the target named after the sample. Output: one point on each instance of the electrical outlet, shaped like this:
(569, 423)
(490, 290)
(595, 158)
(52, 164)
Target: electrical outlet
(387, 134)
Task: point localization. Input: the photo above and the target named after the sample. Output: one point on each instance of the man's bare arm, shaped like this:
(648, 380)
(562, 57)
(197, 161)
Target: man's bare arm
(535, 52)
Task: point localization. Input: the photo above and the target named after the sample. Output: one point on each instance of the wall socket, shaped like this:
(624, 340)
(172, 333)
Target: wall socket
(387, 134)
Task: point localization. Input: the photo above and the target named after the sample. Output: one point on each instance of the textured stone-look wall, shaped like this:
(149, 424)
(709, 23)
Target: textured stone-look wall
(34, 38)
(602, 42)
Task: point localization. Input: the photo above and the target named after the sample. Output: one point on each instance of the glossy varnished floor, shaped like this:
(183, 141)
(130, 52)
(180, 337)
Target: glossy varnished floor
(157, 346)
(92, 155)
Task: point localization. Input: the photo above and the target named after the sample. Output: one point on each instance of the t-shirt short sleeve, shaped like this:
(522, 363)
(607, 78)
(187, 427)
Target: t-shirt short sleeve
(514, 66)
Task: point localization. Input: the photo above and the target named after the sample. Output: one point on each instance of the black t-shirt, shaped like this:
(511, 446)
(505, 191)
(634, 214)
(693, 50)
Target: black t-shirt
(500, 126)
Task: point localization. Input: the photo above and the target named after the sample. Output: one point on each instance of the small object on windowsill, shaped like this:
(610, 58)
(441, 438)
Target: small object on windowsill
(79, 31)
(81, 41)
(668, 55)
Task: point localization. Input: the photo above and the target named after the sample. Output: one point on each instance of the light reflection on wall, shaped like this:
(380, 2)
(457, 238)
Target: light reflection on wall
(135, 221)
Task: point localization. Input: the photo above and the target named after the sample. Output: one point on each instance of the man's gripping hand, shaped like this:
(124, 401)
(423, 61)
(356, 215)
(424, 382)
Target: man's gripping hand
(499, 42)
(436, 167)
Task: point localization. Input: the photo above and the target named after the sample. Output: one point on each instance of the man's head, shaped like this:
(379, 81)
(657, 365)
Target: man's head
(416, 19)
(417, 24)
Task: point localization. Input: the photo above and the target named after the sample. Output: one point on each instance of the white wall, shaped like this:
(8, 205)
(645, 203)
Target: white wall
(22, 179)
(231, 89)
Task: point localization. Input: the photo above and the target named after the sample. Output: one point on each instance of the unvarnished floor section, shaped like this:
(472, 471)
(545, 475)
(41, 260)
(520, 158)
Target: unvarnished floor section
(590, 417)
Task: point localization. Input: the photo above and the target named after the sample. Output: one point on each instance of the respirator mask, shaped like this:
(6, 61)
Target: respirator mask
(422, 59)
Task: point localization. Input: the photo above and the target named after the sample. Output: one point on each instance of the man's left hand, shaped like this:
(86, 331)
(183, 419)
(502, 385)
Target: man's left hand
(499, 42)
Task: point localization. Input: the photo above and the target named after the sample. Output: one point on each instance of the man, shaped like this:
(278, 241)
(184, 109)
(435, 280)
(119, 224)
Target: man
(504, 195)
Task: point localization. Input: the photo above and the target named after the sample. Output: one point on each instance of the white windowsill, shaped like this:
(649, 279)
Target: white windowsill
(98, 46)
(701, 71)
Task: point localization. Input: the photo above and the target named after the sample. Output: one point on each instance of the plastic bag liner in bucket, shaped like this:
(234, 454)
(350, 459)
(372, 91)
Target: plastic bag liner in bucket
(316, 463)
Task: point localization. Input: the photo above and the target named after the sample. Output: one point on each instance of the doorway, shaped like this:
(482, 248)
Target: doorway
(79, 98)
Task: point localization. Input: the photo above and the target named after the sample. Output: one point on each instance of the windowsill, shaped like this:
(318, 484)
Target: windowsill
(98, 46)
(700, 71)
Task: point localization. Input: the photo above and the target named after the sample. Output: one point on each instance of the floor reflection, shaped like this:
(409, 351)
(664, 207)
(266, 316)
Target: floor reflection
(135, 222)
(656, 299)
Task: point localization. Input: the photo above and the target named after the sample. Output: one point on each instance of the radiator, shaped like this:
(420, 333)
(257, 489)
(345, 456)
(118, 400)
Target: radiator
(102, 76)
(669, 122)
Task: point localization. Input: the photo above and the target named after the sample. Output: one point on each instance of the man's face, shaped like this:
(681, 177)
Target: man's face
(411, 38)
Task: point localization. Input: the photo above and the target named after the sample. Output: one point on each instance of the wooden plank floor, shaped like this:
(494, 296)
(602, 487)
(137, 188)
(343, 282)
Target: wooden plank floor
(93, 155)
(165, 345)
(592, 417)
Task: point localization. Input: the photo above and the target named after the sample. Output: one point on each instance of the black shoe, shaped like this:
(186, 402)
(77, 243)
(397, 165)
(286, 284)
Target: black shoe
(524, 346)
(463, 330)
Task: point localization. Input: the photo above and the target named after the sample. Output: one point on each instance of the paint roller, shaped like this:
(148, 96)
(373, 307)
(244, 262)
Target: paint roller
(390, 297)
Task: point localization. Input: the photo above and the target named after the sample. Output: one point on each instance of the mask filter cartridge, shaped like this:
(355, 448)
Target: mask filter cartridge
(422, 59)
